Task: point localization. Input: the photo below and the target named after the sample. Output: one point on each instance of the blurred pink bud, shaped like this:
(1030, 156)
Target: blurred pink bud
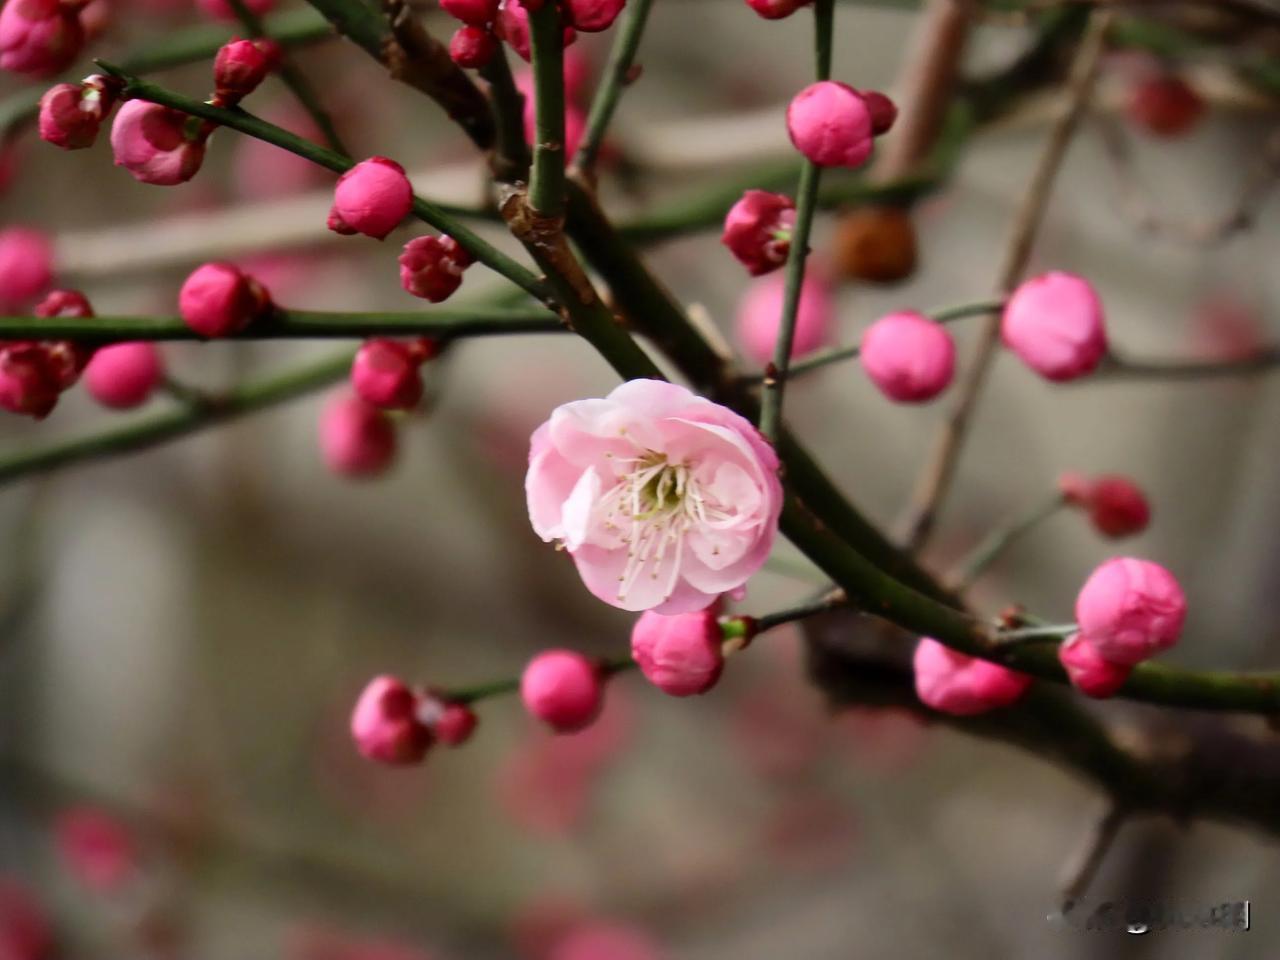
(238, 69)
(910, 357)
(680, 655)
(577, 74)
(26, 267)
(72, 113)
(563, 689)
(1130, 610)
(472, 46)
(220, 299)
(455, 725)
(1165, 105)
(1088, 671)
(96, 17)
(539, 924)
(760, 316)
(124, 375)
(64, 303)
(25, 932)
(831, 125)
(477, 13)
(96, 848)
(776, 9)
(600, 940)
(1115, 504)
(512, 27)
(385, 724)
(884, 112)
(431, 267)
(592, 16)
(757, 230)
(386, 374)
(963, 686)
(39, 37)
(1054, 323)
(356, 438)
(157, 145)
(371, 198)
(222, 10)
(262, 170)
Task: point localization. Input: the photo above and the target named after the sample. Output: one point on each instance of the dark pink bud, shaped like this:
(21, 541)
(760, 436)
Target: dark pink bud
(1115, 504)
(757, 230)
(830, 124)
(25, 932)
(963, 686)
(385, 373)
(371, 198)
(455, 724)
(124, 375)
(96, 848)
(563, 689)
(776, 9)
(220, 299)
(64, 303)
(156, 144)
(431, 267)
(1131, 610)
(592, 16)
(884, 112)
(472, 46)
(475, 13)
(1088, 671)
(65, 357)
(39, 37)
(238, 69)
(512, 28)
(26, 267)
(30, 382)
(1166, 106)
(356, 438)
(66, 119)
(385, 724)
(680, 655)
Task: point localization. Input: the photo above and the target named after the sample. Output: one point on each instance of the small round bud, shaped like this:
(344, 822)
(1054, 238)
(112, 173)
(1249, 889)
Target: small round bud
(877, 244)
(563, 689)
(238, 69)
(472, 46)
(910, 357)
(1166, 106)
(777, 9)
(26, 267)
(963, 686)
(1130, 610)
(592, 16)
(1087, 671)
(455, 724)
(39, 37)
(385, 725)
(64, 121)
(432, 267)
(1115, 504)
(476, 13)
(157, 145)
(220, 299)
(830, 124)
(356, 438)
(371, 198)
(1054, 323)
(884, 112)
(124, 375)
(757, 230)
(385, 373)
(680, 655)
(760, 316)
(30, 382)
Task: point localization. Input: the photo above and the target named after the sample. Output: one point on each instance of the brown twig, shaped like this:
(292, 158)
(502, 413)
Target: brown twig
(936, 476)
(1083, 866)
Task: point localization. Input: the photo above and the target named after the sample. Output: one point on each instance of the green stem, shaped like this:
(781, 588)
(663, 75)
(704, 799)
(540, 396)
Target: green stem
(1121, 368)
(438, 322)
(1002, 537)
(293, 77)
(830, 600)
(1051, 631)
(806, 200)
(507, 103)
(617, 74)
(546, 180)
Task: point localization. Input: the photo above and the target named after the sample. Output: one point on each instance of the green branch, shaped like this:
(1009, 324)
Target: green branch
(546, 180)
(617, 74)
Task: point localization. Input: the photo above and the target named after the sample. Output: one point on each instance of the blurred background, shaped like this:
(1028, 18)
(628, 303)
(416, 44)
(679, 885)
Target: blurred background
(183, 632)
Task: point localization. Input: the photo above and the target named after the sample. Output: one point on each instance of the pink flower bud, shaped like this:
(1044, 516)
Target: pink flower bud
(512, 28)
(238, 69)
(371, 198)
(97, 849)
(563, 689)
(219, 299)
(1054, 323)
(472, 46)
(1116, 505)
(30, 382)
(68, 118)
(385, 725)
(26, 267)
(386, 374)
(476, 13)
(757, 230)
(124, 375)
(157, 145)
(963, 686)
(1166, 106)
(356, 439)
(65, 358)
(760, 315)
(592, 16)
(64, 303)
(431, 267)
(25, 932)
(884, 112)
(39, 37)
(830, 124)
(679, 655)
(776, 9)
(910, 357)
(1130, 610)
(455, 725)
(1088, 672)
(600, 940)
(222, 10)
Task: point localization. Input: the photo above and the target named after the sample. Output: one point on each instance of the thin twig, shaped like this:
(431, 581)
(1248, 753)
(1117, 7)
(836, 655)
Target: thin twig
(1001, 538)
(1083, 866)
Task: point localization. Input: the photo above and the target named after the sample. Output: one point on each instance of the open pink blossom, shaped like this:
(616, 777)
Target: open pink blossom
(963, 686)
(157, 144)
(39, 37)
(1054, 323)
(1130, 609)
(760, 315)
(664, 499)
(1088, 671)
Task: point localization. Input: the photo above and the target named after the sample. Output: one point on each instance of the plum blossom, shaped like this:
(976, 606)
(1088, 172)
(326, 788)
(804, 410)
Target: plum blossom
(664, 499)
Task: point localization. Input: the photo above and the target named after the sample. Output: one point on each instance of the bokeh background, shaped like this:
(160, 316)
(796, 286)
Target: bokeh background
(182, 632)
